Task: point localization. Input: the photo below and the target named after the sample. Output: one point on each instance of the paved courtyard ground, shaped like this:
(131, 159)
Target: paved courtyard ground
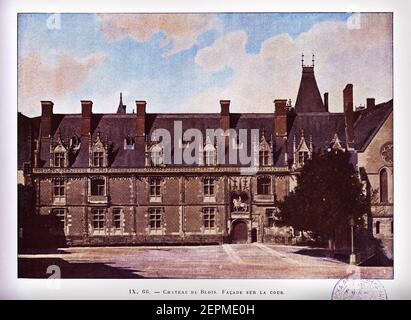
(242, 261)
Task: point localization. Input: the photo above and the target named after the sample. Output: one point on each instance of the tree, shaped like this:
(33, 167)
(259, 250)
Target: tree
(328, 196)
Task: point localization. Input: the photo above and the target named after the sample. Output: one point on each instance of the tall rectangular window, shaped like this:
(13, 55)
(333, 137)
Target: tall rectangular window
(209, 218)
(98, 187)
(155, 187)
(58, 187)
(98, 159)
(59, 159)
(155, 218)
(263, 185)
(208, 187)
(99, 219)
(264, 158)
(117, 218)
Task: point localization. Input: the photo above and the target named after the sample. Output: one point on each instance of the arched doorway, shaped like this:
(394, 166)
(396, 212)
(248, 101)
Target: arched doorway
(239, 232)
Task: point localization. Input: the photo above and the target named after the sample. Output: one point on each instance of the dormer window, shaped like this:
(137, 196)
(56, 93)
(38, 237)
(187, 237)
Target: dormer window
(302, 152)
(128, 143)
(303, 156)
(264, 154)
(59, 159)
(98, 153)
(209, 157)
(156, 155)
(209, 153)
(58, 153)
(98, 159)
(263, 157)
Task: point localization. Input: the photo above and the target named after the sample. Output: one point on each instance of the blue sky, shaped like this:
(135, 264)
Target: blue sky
(162, 60)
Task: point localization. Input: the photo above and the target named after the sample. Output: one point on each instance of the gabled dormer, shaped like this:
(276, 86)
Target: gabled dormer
(265, 151)
(336, 144)
(154, 153)
(302, 152)
(210, 153)
(98, 152)
(58, 153)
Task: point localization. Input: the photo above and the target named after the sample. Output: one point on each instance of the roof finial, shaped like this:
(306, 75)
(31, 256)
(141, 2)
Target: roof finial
(302, 60)
(121, 98)
(313, 59)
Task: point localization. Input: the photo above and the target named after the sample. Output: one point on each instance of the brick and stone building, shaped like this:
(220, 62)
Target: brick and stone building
(101, 179)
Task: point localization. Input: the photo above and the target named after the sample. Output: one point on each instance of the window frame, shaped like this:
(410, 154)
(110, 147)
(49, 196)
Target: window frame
(119, 219)
(61, 214)
(60, 187)
(209, 215)
(209, 187)
(98, 159)
(261, 186)
(155, 219)
(270, 217)
(155, 187)
(100, 213)
(59, 159)
(98, 187)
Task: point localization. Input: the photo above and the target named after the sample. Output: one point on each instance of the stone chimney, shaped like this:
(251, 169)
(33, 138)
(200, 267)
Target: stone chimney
(141, 118)
(370, 104)
(225, 114)
(326, 101)
(46, 122)
(348, 113)
(280, 117)
(86, 117)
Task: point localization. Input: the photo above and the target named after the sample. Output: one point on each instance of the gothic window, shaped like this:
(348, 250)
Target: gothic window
(264, 158)
(263, 185)
(98, 158)
(98, 187)
(209, 187)
(155, 218)
(60, 215)
(377, 227)
(384, 186)
(60, 159)
(58, 187)
(209, 218)
(99, 219)
(117, 218)
(155, 187)
(270, 218)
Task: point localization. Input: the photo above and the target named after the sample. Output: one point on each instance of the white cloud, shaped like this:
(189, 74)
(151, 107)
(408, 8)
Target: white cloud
(181, 30)
(39, 79)
(360, 54)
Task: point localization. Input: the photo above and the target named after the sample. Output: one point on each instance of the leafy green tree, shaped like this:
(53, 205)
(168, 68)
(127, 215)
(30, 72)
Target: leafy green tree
(328, 196)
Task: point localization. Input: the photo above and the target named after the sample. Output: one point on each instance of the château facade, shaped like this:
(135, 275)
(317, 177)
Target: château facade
(103, 179)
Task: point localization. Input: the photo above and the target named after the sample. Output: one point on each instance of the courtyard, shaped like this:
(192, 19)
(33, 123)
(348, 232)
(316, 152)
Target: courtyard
(230, 261)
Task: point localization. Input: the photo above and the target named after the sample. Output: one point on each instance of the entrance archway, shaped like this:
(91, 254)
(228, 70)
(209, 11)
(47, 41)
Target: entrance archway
(239, 232)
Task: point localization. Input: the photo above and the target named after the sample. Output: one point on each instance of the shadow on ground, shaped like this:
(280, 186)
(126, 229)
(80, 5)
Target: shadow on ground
(323, 253)
(37, 268)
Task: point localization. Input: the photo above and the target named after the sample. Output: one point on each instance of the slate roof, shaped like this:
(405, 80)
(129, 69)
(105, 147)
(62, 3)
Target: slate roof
(309, 97)
(369, 122)
(114, 128)
(320, 125)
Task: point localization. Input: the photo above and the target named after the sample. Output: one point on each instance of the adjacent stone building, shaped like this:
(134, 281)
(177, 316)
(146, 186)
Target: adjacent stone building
(102, 179)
